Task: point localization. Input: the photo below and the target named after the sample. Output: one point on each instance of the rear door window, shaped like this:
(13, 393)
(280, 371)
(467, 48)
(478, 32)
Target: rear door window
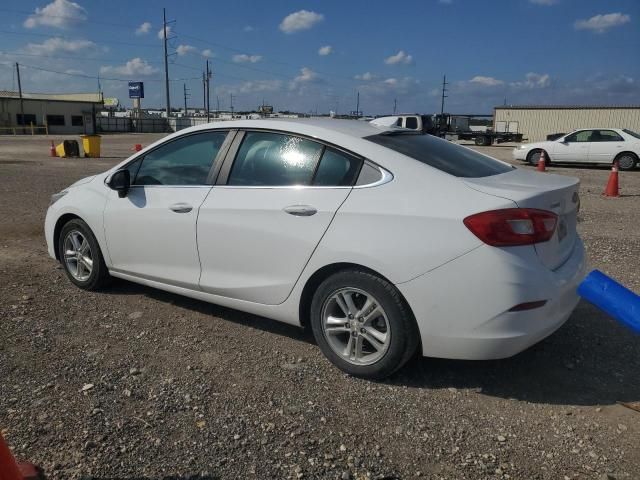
(609, 136)
(336, 169)
(441, 154)
(274, 160)
(412, 123)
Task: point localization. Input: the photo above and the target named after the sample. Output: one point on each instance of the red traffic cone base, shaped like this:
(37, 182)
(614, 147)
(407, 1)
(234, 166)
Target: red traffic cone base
(52, 150)
(11, 470)
(542, 162)
(612, 188)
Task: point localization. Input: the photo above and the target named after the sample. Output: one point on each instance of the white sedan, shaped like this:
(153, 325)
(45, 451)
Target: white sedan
(385, 242)
(589, 145)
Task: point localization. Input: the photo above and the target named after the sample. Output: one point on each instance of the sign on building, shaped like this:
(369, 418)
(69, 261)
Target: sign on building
(136, 90)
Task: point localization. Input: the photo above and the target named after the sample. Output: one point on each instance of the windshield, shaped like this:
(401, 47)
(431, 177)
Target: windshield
(441, 154)
(629, 132)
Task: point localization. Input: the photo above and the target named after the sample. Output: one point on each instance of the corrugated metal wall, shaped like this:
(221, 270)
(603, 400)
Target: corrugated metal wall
(537, 123)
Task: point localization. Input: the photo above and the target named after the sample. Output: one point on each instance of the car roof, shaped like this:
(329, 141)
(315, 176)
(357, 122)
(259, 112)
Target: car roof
(597, 128)
(323, 126)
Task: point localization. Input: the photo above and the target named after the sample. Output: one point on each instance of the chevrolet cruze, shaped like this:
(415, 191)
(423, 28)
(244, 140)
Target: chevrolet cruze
(384, 241)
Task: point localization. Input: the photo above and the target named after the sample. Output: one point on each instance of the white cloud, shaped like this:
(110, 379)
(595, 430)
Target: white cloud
(256, 86)
(325, 50)
(57, 14)
(301, 20)
(307, 76)
(400, 57)
(392, 86)
(486, 81)
(243, 58)
(135, 66)
(207, 52)
(185, 49)
(143, 29)
(543, 2)
(602, 23)
(247, 28)
(57, 44)
(366, 76)
(161, 32)
(533, 80)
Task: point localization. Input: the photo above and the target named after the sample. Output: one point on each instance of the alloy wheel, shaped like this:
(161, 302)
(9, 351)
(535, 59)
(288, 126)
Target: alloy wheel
(356, 326)
(78, 258)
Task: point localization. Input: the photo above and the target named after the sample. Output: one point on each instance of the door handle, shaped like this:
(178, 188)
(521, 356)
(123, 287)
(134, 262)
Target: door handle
(301, 210)
(181, 207)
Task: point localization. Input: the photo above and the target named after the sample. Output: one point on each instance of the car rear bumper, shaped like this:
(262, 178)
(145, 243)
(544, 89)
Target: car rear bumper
(462, 308)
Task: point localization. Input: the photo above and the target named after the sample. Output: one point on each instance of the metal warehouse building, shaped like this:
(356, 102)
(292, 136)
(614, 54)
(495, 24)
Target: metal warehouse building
(59, 113)
(536, 122)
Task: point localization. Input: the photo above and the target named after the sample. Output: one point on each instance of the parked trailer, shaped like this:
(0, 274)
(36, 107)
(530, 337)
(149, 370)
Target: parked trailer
(447, 125)
(485, 139)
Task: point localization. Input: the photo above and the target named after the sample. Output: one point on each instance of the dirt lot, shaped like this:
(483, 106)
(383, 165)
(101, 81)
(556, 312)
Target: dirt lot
(136, 383)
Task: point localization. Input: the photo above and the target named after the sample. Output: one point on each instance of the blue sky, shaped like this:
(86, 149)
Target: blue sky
(310, 55)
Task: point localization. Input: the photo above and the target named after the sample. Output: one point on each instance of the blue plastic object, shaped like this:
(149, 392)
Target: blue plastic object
(611, 297)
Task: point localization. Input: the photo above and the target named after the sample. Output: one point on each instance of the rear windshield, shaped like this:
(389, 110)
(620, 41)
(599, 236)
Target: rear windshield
(633, 134)
(441, 154)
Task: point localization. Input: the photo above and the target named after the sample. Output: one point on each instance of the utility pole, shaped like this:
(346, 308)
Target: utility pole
(218, 105)
(166, 61)
(186, 94)
(444, 90)
(358, 105)
(208, 78)
(395, 105)
(20, 95)
(231, 103)
(204, 92)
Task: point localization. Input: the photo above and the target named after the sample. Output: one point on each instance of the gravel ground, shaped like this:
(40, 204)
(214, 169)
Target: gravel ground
(136, 383)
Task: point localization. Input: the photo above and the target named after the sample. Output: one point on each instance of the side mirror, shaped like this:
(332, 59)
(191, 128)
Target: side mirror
(120, 181)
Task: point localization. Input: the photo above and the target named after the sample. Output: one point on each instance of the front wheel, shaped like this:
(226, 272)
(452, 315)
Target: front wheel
(363, 325)
(81, 257)
(534, 157)
(626, 161)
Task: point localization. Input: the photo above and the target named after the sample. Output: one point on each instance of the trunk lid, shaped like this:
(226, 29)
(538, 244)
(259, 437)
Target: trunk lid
(554, 193)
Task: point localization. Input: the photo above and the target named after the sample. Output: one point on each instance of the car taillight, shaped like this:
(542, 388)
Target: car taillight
(512, 226)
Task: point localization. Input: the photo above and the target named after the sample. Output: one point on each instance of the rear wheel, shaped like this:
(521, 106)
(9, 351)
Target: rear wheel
(81, 257)
(362, 324)
(627, 161)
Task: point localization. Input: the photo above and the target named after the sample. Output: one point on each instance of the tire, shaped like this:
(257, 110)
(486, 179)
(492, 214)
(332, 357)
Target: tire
(627, 161)
(534, 156)
(81, 257)
(391, 337)
(483, 141)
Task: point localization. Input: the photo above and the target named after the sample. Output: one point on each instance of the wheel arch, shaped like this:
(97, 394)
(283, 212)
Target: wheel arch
(61, 222)
(539, 149)
(325, 272)
(627, 152)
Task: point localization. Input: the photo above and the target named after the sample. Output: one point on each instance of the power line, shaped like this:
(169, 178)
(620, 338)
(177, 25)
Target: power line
(95, 77)
(105, 42)
(68, 17)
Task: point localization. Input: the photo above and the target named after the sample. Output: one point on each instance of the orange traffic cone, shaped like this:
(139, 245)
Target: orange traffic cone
(11, 470)
(542, 162)
(612, 189)
(52, 150)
